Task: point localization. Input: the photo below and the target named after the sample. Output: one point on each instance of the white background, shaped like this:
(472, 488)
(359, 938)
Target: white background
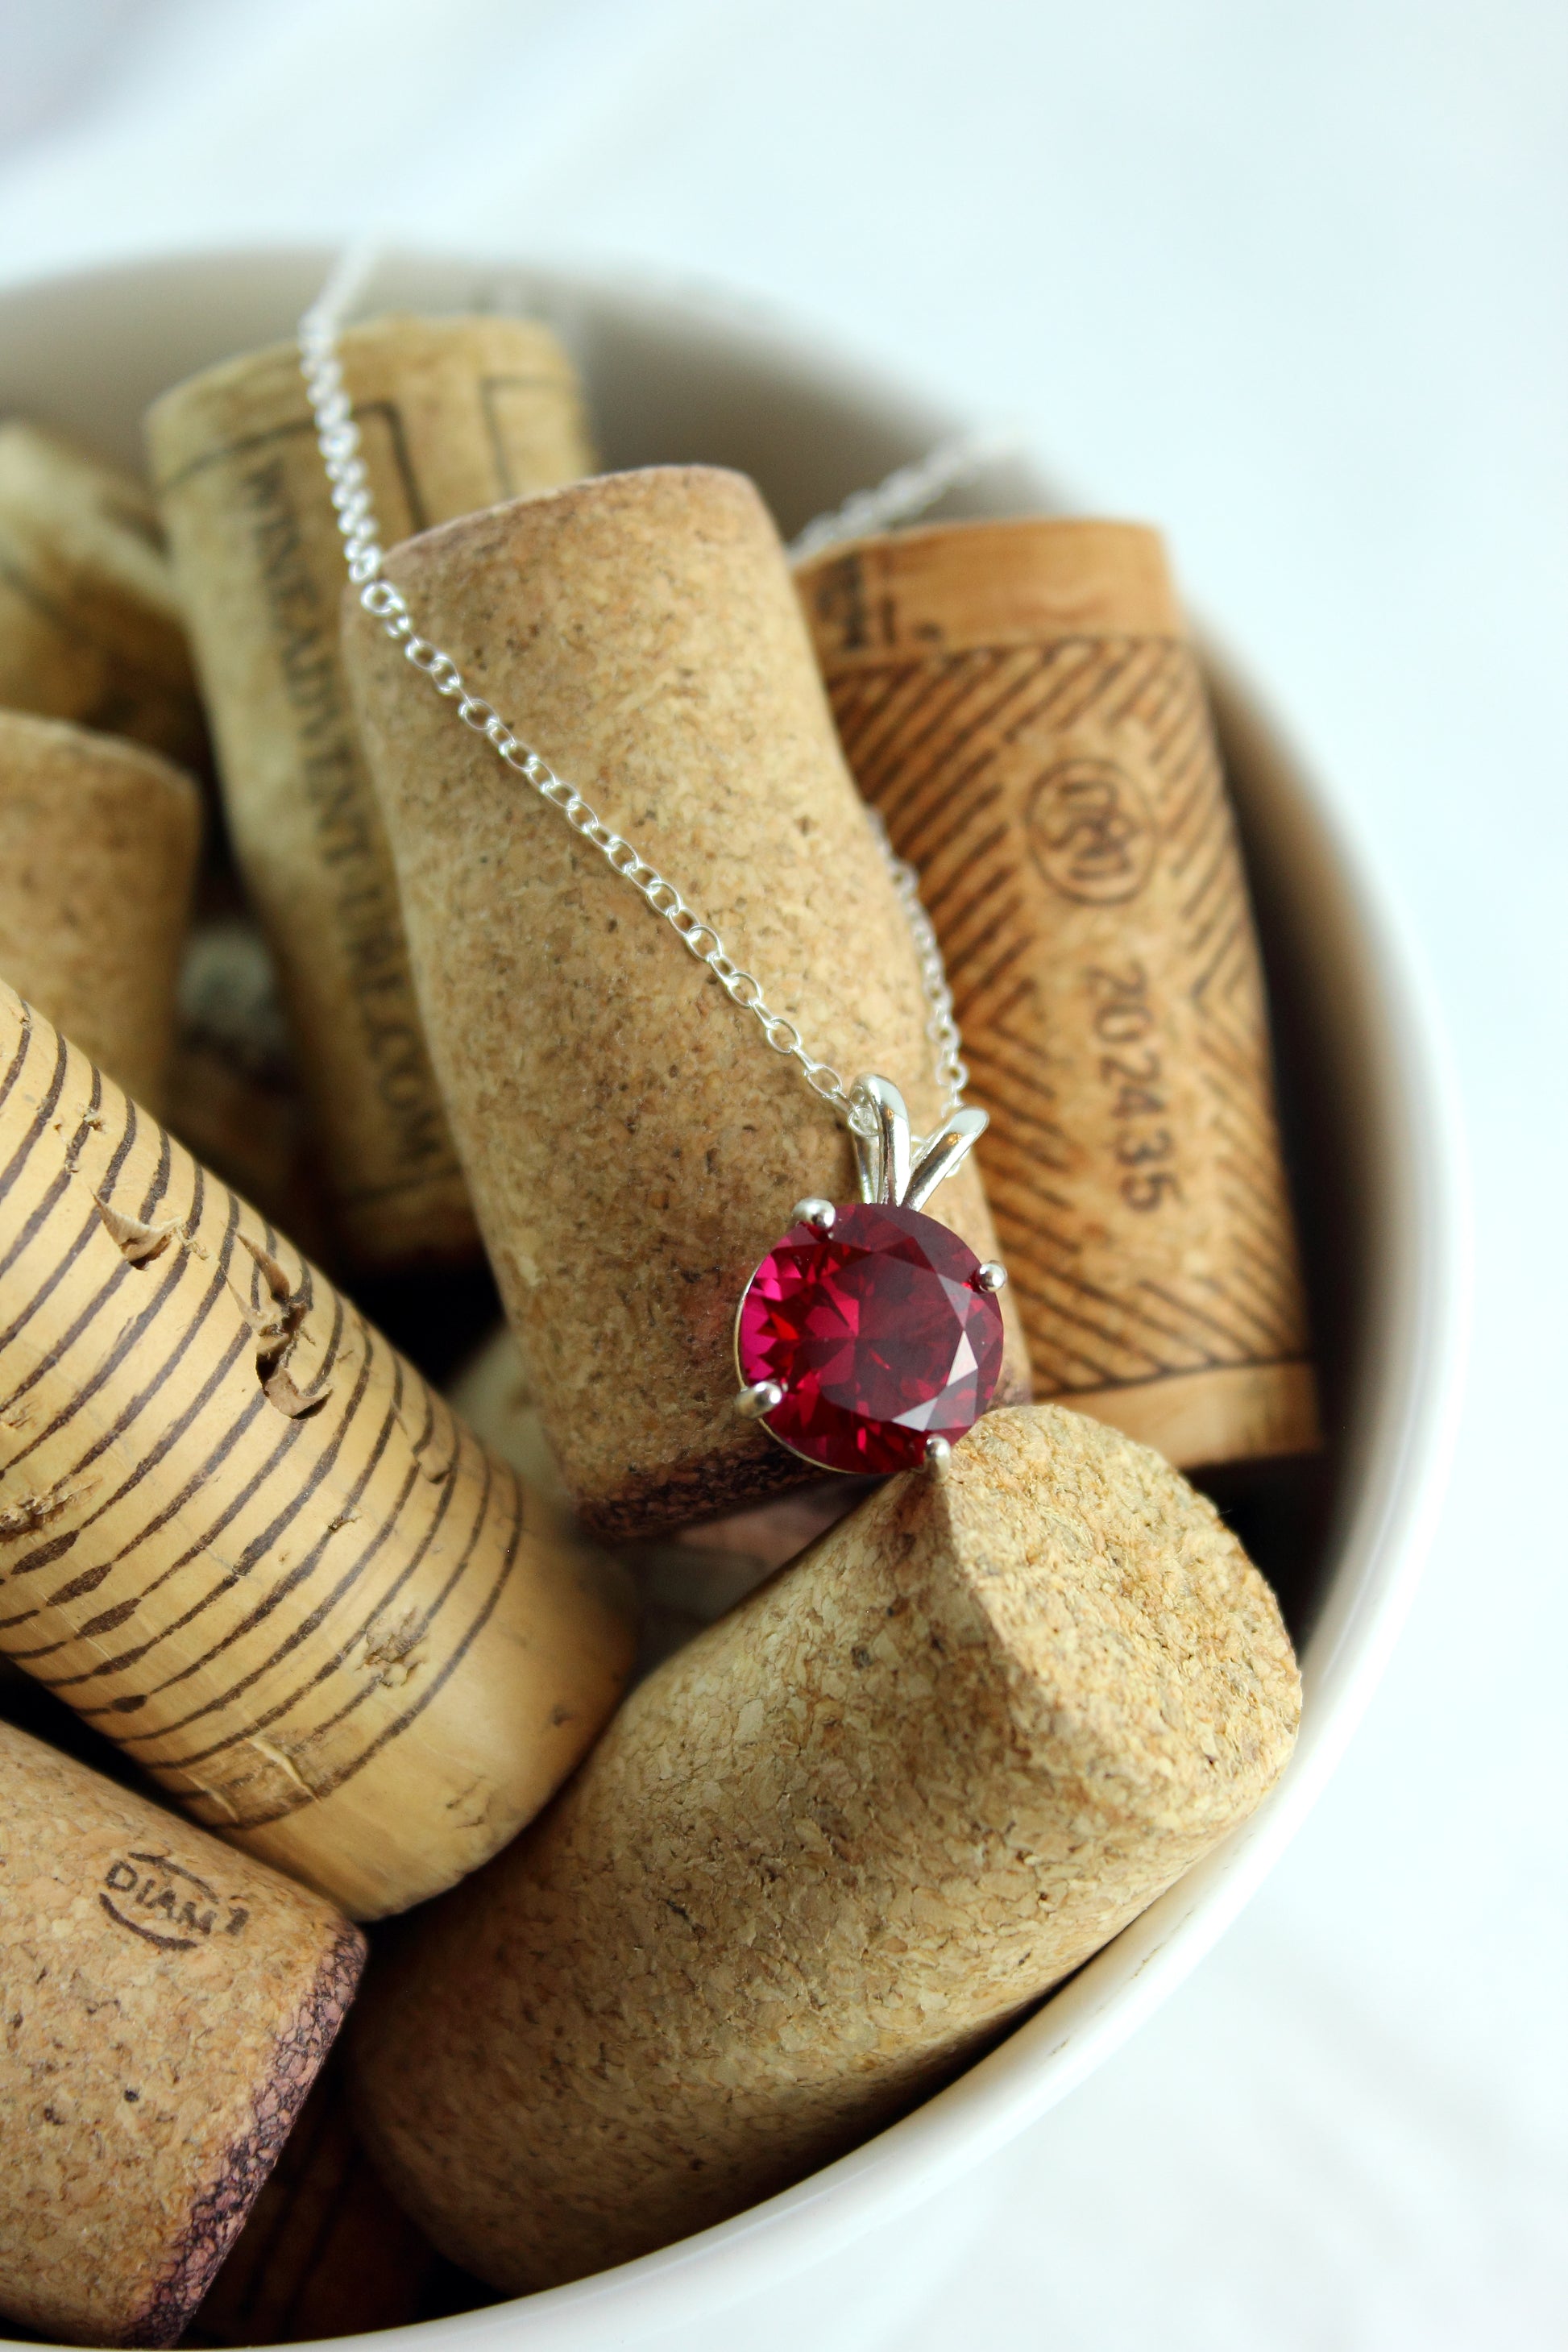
(1289, 279)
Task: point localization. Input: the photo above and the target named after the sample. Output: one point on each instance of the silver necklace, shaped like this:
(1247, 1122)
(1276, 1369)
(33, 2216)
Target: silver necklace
(870, 1337)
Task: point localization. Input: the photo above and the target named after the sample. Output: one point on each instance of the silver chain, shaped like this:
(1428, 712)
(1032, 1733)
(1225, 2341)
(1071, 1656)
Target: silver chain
(337, 438)
(908, 490)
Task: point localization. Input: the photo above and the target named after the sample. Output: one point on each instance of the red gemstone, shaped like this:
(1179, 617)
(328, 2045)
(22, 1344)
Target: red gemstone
(878, 1334)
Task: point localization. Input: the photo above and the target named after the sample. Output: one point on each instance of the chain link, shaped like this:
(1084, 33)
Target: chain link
(908, 490)
(337, 438)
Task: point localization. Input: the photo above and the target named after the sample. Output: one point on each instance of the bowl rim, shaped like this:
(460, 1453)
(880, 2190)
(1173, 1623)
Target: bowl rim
(1404, 1450)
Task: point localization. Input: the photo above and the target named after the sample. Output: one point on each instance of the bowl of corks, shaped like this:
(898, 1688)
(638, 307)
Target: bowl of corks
(729, 1299)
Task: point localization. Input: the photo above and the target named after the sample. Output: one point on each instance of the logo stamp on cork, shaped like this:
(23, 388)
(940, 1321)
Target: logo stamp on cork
(178, 1910)
(1091, 831)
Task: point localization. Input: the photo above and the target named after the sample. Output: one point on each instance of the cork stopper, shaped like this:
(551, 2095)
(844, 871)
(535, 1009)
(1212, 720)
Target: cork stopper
(243, 1539)
(98, 853)
(1021, 702)
(91, 626)
(827, 1851)
(453, 414)
(168, 2005)
(632, 1144)
(325, 2252)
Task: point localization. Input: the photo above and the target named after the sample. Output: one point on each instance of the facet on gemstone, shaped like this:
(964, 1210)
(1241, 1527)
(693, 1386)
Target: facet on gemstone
(879, 1334)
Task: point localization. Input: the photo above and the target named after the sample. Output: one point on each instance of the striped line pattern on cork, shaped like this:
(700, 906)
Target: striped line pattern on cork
(229, 1512)
(1065, 808)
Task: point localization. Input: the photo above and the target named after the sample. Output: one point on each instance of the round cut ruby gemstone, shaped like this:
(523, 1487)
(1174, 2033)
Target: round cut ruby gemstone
(878, 1335)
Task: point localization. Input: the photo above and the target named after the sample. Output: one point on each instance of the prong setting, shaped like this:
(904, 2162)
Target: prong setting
(817, 1214)
(760, 1397)
(990, 1275)
(939, 1453)
(883, 1141)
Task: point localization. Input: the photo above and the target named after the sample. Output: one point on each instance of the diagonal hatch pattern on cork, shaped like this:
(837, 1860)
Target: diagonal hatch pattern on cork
(1056, 782)
(164, 1564)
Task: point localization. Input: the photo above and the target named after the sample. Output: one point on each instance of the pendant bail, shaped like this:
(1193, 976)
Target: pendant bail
(895, 1169)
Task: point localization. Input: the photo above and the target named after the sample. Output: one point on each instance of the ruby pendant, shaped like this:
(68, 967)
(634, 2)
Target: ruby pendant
(870, 1337)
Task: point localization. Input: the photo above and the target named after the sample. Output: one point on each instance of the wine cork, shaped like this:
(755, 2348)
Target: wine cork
(827, 1851)
(632, 1144)
(167, 2005)
(325, 2251)
(98, 853)
(242, 1538)
(91, 626)
(453, 414)
(1021, 701)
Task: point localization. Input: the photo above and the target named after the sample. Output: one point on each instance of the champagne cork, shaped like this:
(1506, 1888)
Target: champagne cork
(454, 414)
(167, 2004)
(1021, 701)
(98, 853)
(633, 1145)
(91, 627)
(826, 1852)
(325, 2251)
(241, 1537)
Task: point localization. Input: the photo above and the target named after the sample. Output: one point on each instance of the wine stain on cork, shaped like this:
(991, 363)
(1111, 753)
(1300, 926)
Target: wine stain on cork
(219, 2215)
(168, 2005)
(324, 2251)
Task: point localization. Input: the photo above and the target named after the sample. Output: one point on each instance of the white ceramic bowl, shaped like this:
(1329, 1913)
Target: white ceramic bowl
(677, 374)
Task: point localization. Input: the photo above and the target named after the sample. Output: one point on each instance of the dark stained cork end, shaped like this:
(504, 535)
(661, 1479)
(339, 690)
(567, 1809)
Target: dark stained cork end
(722, 1485)
(219, 2216)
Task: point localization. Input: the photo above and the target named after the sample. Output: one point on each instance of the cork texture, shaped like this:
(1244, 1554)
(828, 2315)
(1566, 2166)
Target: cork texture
(98, 853)
(632, 1145)
(167, 2004)
(454, 414)
(324, 2252)
(241, 1537)
(1020, 701)
(91, 626)
(825, 1851)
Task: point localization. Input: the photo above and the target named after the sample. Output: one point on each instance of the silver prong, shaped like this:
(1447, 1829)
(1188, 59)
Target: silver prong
(990, 1275)
(817, 1214)
(885, 1160)
(760, 1398)
(939, 1453)
(941, 1153)
(868, 1156)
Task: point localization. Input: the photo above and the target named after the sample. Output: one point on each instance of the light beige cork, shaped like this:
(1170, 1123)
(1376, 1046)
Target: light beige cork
(166, 2004)
(827, 1851)
(632, 1145)
(453, 414)
(239, 1535)
(1021, 701)
(91, 626)
(98, 854)
(325, 2252)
